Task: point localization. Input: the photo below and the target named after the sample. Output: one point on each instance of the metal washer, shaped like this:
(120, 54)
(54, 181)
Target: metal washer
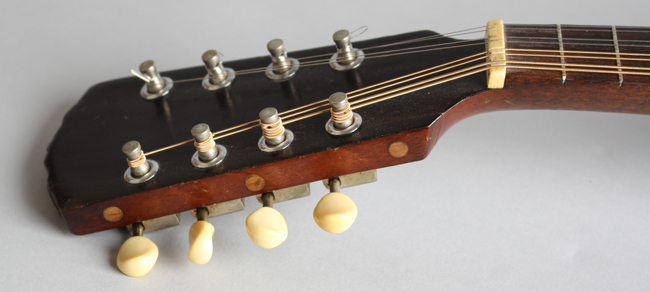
(225, 83)
(198, 163)
(288, 138)
(144, 92)
(360, 56)
(153, 169)
(356, 124)
(295, 65)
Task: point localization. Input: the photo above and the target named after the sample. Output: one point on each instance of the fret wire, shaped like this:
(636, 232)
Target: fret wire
(559, 37)
(618, 61)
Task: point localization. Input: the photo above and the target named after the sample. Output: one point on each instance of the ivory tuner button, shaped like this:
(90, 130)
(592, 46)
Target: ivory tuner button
(201, 234)
(137, 256)
(335, 212)
(266, 227)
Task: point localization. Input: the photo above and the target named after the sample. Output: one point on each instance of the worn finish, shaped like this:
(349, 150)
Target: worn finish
(106, 114)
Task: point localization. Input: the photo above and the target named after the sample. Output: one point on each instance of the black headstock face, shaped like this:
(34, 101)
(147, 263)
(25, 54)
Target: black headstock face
(86, 165)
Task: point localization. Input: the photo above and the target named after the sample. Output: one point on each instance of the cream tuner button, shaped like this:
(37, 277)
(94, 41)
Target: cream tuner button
(266, 226)
(201, 239)
(335, 212)
(137, 255)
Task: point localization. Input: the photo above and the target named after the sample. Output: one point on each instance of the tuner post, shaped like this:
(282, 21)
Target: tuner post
(218, 76)
(156, 86)
(208, 154)
(346, 57)
(274, 136)
(282, 67)
(140, 168)
(343, 120)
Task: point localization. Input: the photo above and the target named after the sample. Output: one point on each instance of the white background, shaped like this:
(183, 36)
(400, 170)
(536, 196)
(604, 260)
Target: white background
(507, 201)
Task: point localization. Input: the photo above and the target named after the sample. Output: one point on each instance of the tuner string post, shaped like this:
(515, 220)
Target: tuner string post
(268, 199)
(208, 153)
(140, 168)
(346, 57)
(218, 76)
(274, 136)
(343, 120)
(138, 229)
(282, 67)
(156, 85)
(335, 185)
(202, 214)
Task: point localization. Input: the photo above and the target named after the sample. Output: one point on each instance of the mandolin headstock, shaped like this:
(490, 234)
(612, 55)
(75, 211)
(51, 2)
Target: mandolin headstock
(388, 84)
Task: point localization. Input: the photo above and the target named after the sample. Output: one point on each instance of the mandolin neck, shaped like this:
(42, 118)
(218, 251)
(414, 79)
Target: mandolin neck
(567, 67)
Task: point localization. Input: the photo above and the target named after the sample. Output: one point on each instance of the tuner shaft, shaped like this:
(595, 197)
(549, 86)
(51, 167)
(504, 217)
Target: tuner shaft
(346, 56)
(274, 136)
(218, 76)
(156, 85)
(282, 67)
(208, 154)
(140, 169)
(343, 121)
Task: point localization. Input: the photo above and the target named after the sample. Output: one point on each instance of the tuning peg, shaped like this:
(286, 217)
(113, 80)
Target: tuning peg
(282, 67)
(208, 154)
(346, 57)
(140, 168)
(266, 226)
(343, 120)
(274, 136)
(201, 234)
(138, 254)
(218, 76)
(156, 85)
(335, 212)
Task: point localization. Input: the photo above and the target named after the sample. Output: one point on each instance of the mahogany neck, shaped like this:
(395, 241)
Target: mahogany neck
(536, 40)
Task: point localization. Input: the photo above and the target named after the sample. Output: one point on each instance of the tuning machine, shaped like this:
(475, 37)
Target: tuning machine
(201, 232)
(282, 67)
(346, 57)
(266, 227)
(218, 76)
(336, 212)
(138, 254)
(156, 85)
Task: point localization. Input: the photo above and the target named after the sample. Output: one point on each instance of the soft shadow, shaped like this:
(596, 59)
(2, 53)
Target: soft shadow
(34, 173)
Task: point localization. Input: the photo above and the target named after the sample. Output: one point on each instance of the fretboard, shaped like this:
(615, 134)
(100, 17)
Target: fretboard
(579, 53)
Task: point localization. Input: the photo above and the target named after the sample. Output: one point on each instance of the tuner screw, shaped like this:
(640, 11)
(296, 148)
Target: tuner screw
(335, 212)
(200, 236)
(137, 254)
(282, 67)
(157, 85)
(218, 76)
(266, 226)
(343, 120)
(346, 57)
(274, 136)
(208, 154)
(140, 168)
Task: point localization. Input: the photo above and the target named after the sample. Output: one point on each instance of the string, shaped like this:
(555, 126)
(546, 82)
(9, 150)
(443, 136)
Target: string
(300, 113)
